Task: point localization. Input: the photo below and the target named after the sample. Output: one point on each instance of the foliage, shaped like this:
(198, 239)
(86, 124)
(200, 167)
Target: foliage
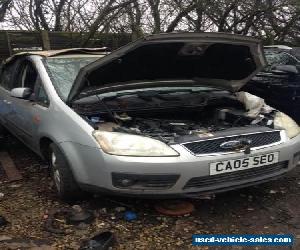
(276, 21)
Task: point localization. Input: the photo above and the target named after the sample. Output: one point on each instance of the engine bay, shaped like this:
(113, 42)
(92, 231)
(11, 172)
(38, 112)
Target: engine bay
(171, 118)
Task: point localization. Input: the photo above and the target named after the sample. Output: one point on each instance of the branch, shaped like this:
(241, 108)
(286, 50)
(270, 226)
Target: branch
(178, 18)
(101, 16)
(4, 6)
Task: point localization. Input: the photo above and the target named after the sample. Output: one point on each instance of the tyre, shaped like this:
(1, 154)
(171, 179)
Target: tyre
(3, 138)
(65, 183)
(3, 132)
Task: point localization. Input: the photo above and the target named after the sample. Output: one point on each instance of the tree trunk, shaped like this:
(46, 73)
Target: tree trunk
(154, 6)
(58, 12)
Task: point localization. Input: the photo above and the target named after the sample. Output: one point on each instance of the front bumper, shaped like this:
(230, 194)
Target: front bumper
(93, 169)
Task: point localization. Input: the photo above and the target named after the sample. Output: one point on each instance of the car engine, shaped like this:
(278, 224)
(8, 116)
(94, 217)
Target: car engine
(173, 118)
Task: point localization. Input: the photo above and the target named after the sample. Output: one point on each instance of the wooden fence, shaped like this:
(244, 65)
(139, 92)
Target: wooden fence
(12, 42)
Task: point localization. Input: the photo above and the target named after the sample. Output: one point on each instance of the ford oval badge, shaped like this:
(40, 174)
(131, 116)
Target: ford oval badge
(236, 144)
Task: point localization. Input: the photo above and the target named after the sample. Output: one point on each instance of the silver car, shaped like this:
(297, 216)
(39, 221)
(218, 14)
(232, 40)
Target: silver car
(159, 117)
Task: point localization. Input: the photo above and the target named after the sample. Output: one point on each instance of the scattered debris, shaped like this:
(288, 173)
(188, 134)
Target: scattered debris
(33, 244)
(294, 222)
(15, 185)
(1, 195)
(74, 216)
(247, 223)
(3, 221)
(101, 241)
(27, 209)
(103, 210)
(52, 217)
(120, 209)
(273, 191)
(5, 238)
(82, 226)
(9, 167)
(184, 225)
(175, 207)
(78, 215)
(130, 216)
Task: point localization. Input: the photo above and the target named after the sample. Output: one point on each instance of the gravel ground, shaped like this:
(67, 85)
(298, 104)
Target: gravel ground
(266, 209)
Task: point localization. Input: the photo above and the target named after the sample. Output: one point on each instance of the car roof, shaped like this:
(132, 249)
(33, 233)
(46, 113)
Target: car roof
(54, 53)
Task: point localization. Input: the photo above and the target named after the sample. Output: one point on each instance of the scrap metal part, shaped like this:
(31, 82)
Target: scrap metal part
(74, 216)
(9, 168)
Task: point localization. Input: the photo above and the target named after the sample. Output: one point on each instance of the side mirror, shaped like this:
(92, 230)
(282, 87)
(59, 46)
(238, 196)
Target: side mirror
(22, 93)
(288, 69)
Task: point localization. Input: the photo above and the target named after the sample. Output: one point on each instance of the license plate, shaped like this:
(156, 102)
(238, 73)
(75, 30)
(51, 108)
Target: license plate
(255, 161)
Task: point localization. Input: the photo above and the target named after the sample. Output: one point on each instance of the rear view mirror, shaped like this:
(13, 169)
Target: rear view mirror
(22, 93)
(289, 69)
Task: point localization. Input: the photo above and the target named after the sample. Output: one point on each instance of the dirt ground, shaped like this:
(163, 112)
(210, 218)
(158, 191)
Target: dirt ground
(270, 208)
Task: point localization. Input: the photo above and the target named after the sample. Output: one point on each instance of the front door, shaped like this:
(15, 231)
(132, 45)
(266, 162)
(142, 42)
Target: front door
(5, 85)
(21, 115)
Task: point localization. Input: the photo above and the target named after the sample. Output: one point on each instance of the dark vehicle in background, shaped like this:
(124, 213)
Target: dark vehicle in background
(279, 82)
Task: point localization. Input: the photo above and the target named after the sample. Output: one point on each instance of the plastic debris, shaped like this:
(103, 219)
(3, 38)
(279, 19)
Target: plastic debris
(254, 104)
(130, 216)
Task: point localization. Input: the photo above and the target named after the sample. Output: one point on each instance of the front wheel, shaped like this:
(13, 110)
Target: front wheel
(3, 132)
(62, 176)
(3, 137)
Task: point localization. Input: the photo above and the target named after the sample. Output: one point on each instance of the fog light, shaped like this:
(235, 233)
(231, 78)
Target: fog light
(126, 182)
(143, 181)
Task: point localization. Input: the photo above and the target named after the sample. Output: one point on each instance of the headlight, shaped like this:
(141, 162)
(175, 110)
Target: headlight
(132, 145)
(282, 120)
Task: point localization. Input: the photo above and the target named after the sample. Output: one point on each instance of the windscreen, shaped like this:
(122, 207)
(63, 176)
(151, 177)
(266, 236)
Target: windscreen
(63, 71)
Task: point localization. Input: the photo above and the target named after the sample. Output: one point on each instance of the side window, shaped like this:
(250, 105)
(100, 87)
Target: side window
(26, 77)
(40, 95)
(30, 76)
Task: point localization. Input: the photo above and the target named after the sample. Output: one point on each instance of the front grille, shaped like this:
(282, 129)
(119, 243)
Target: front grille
(211, 146)
(206, 181)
